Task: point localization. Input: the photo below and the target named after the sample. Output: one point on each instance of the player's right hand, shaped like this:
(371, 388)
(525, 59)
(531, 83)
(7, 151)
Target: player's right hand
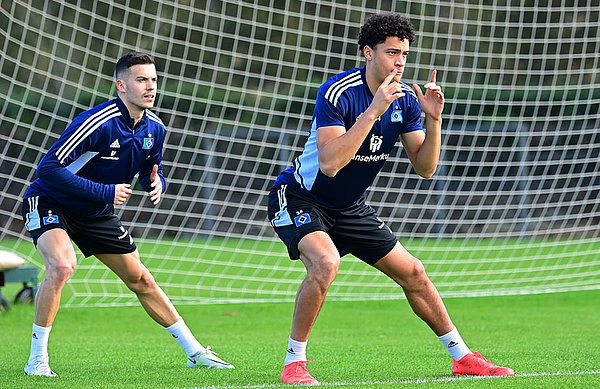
(122, 191)
(386, 94)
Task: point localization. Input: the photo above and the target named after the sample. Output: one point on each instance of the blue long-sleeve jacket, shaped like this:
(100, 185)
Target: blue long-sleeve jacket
(99, 149)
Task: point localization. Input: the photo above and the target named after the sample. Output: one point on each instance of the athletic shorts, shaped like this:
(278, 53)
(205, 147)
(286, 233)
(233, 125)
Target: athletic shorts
(355, 230)
(101, 234)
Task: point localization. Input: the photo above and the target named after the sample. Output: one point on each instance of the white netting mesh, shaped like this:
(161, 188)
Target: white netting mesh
(512, 209)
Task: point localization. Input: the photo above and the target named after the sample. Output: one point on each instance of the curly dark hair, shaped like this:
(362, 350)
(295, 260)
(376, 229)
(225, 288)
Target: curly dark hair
(379, 27)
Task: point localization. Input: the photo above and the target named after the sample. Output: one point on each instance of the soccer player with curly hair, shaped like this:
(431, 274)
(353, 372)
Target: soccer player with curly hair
(317, 207)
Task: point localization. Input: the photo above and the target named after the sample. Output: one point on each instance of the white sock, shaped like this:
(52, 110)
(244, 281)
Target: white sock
(39, 341)
(454, 344)
(296, 351)
(185, 338)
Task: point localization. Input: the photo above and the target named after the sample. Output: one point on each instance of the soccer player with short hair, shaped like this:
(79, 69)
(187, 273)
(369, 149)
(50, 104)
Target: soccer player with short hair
(318, 208)
(85, 172)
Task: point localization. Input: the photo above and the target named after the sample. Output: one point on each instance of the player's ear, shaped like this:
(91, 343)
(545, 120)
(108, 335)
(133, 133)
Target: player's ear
(121, 86)
(368, 53)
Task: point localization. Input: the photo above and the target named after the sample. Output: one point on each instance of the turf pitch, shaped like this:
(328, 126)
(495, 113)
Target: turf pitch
(550, 340)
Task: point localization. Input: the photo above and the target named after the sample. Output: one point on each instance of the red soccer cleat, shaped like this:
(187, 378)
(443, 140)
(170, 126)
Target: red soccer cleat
(296, 373)
(476, 364)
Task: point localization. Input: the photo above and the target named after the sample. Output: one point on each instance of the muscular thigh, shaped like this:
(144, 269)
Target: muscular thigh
(316, 247)
(400, 265)
(56, 249)
(125, 266)
(320, 256)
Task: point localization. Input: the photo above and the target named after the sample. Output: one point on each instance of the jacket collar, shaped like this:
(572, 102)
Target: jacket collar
(127, 119)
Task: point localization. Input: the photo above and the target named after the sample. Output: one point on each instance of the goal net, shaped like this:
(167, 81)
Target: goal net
(512, 209)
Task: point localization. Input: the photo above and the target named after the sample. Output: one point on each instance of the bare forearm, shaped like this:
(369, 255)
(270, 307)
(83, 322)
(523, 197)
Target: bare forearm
(425, 157)
(337, 152)
(426, 161)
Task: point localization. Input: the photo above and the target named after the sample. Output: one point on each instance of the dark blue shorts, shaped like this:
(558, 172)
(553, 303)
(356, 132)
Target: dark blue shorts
(355, 230)
(101, 234)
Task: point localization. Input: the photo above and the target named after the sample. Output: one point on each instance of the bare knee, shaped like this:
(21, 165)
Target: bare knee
(59, 257)
(141, 282)
(323, 270)
(416, 277)
(59, 271)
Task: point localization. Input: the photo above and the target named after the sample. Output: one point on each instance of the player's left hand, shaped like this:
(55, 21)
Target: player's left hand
(156, 184)
(432, 102)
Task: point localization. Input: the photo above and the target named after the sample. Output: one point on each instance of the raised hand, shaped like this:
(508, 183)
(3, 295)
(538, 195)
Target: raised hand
(432, 102)
(386, 94)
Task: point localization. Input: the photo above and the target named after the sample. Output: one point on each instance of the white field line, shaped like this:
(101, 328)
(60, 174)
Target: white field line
(409, 382)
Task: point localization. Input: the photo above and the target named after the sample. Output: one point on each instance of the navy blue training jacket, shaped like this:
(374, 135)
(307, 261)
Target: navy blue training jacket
(100, 148)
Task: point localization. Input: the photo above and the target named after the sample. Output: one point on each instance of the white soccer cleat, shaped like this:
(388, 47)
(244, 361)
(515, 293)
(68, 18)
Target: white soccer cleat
(39, 366)
(208, 360)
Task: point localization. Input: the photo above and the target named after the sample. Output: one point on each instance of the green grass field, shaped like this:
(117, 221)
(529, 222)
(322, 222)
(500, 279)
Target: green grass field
(550, 340)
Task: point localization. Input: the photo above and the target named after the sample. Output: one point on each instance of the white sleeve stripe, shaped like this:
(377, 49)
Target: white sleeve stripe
(336, 84)
(409, 90)
(83, 126)
(342, 87)
(83, 131)
(332, 86)
(86, 134)
(152, 116)
(337, 96)
(406, 88)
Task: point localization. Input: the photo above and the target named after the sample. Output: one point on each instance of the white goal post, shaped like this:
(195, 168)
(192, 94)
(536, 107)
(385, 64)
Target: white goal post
(512, 209)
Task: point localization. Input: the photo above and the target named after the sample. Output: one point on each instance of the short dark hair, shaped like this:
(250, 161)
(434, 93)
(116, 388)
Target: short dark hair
(130, 59)
(379, 27)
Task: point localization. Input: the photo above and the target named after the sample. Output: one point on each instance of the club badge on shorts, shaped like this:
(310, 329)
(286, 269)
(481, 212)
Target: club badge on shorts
(302, 219)
(50, 219)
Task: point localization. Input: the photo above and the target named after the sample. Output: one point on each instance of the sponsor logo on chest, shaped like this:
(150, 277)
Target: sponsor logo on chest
(375, 142)
(113, 156)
